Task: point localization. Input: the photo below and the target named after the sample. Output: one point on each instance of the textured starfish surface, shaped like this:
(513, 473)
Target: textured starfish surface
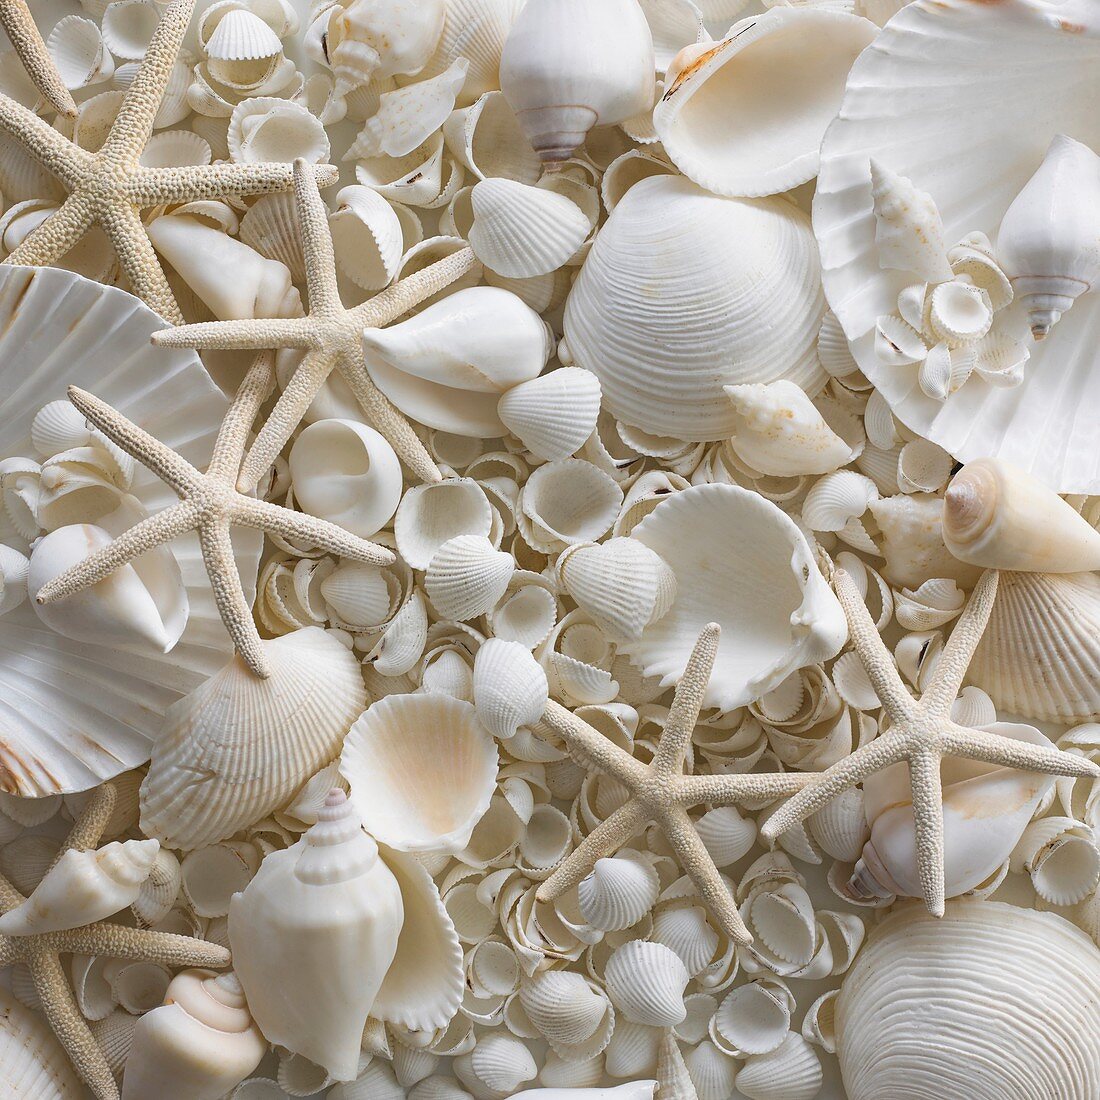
(111, 187)
(661, 793)
(332, 338)
(42, 953)
(921, 733)
(16, 18)
(209, 504)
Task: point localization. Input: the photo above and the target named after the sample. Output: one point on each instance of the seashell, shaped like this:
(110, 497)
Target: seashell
(14, 567)
(360, 595)
(91, 988)
(781, 432)
(568, 502)
(26, 860)
(1047, 239)
(568, 66)
(83, 887)
(1041, 972)
(793, 608)
(329, 910)
(646, 983)
(840, 827)
(211, 775)
(755, 1018)
(33, 1064)
(836, 499)
(908, 231)
(790, 1072)
(710, 118)
(270, 226)
(430, 515)
(509, 687)
(114, 1035)
(298, 1076)
(521, 231)
(140, 608)
(726, 835)
(569, 1011)
(367, 237)
(1048, 622)
(960, 313)
(911, 525)
(496, 1067)
(487, 140)
(199, 1044)
(76, 46)
(999, 517)
(674, 24)
(688, 933)
(263, 129)
(466, 577)
(59, 426)
(157, 894)
(138, 986)
(345, 472)
(175, 149)
(416, 179)
(637, 1090)
(422, 770)
(438, 1088)
(402, 642)
(618, 892)
(1062, 857)
(210, 876)
(657, 367)
(554, 414)
(241, 35)
(622, 584)
(625, 171)
(128, 26)
(447, 366)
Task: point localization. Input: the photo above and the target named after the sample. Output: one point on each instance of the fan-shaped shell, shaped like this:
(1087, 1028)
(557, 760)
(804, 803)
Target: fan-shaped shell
(431, 515)
(33, 1065)
(646, 982)
(618, 892)
(554, 414)
(467, 576)
(509, 687)
(685, 292)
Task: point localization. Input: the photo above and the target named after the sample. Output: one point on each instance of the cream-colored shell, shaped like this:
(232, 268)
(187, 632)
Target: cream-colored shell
(552, 415)
(509, 687)
(33, 1064)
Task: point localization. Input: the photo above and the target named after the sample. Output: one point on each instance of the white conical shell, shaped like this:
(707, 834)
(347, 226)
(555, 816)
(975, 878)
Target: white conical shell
(999, 517)
(467, 576)
(552, 415)
(241, 35)
(770, 627)
(740, 301)
(618, 892)
(422, 770)
(646, 983)
(238, 747)
(521, 231)
(720, 119)
(313, 936)
(569, 1011)
(33, 1064)
(1062, 857)
(83, 887)
(790, 1072)
(430, 515)
(509, 687)
(1041, 972)
(568, 66)
(367, 237)
(447, 366)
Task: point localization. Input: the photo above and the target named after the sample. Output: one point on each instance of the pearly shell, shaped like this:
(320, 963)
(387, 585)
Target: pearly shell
(1041, 972)
(770, 627)
(738, 119)
(238, 747)
(739, 287)
(552, 415)
(313, 936)
(509, 687)
(448, 366)
(199, 1044)
(33, 1064)
(568, 66)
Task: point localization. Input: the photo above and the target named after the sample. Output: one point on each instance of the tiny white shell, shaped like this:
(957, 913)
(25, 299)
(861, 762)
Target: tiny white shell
(646, 982)
(467, 577)
(509, 687)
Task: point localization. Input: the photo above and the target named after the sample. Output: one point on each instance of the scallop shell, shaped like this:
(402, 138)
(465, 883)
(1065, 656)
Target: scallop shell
(33, 1065)
(430, 515)
(77, 716)
(241, 35)
(618, 892)
(570, 1011)
(509, 687)
(263, 129)
(554, 414)
(790, 1072)
(646, 983)
(76, 46)
(1005, 125)
(466, 577)
(238, 748)
(1041, 972)
(724, 270)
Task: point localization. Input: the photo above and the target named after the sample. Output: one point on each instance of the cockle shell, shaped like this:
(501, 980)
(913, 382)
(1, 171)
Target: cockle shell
(367, 237)
(210, 876)
(448, 366)
(263, 129)
(569, 1011)
(128, 26)
(618, 892)
(467, 577)
(754, 1018)
(725, 271)
(770, 628)
(567, 502)
(83, 887)
(238, 747)
(1062, 857)
(790, 1072)
(430, 515)
(313, 936)
(568, 66)
(638, 1090)
(1041, 972)
(646, 982)
(486, 139)
(199, 1044)
(14, 567)
(76, 46)
(33, 1064)
(241, 35)
(554, 414)
(509, 687)
(738, 119)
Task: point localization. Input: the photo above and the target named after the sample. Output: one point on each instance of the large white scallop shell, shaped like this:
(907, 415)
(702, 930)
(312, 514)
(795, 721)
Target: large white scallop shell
(74, 715)
(33, 1065)
(685, 292)
(1005, 108)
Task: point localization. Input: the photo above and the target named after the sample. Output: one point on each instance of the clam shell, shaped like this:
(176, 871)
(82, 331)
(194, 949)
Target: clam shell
(570, 1011)
(466, 577)
(568, 502)
(618, 892)
(790, 1072)
(270, 226)
(430, 515)
(1063, 858)
(76, 46)
(263, 129)
(687, 931)
(646, 983)
(241, 35)
(367, 237)
(509, 687)
(33, 1064)
(554, 414)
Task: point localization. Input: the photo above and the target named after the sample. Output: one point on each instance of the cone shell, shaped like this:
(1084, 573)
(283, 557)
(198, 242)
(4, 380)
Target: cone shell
(467, 577)
(238, 747)
(646, 983)
(33, 1065)
(552, 415)
(618, 892)
(510, 687)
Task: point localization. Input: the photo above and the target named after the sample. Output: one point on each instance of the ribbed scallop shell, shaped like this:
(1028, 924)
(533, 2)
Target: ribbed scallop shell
(238, 747)
(467, 576)
(1040, 654)
(242, 36)
(33, 1066)
(554, 414)
(569, 1011)
(683, 293)
(270, 225)
(430, 515)
(688, 932)
(618, 892)
(790, 1072)
(509, 687)
(1015, 993)
(646, 982)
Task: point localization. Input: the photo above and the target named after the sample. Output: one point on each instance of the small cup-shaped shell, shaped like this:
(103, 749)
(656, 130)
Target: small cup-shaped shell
(840, 827)
(486, 139)
(76, 46)
(347, 473)
(361, 596)
(569, 1011)
(128, 25)
(367, 237)
(430, 515)
(908, 228)
(1062, 857)
(509, 687)
(241, 35)
(726, 834)
(422, 770)
(568, 502)
(687, 931)
(59, 426)
(754, 1018)
(467, 576)
(552, 415)
(790, 1072)
(646, 982)
(618, 892)
(212, 875)
(263, 129)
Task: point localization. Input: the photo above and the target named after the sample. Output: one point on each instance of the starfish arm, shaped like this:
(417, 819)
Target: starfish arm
(11, 950)
(233, 434)
(881, 753)
(90, 825)
(596, 749)
(252, 334)
(70, 1027)
(55, 236)
(388, 420)
(138, 540)
(123, 225)
(9, 899)
(397, 300)
(120, 942)
(733, 789)
(54, 152)
(604, 840)
(163, 186)
(686, 704)
(225, 582)
(317, 532)
(927, 788)
(25, 37)
(993, 748)
(320, 256)
(965, 637)
(699, 867)
(872, 651)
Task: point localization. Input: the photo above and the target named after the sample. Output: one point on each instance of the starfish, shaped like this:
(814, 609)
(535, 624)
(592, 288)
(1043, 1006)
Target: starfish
(332, 337)
(921, 733)
(209, 504)
(111, 187)
(41, 953)
(19, 23)
(660, 792)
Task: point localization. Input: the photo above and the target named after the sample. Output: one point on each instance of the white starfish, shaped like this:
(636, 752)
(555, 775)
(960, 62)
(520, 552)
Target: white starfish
(26, 39)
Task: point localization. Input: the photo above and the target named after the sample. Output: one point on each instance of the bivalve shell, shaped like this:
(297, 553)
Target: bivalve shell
(646, 982)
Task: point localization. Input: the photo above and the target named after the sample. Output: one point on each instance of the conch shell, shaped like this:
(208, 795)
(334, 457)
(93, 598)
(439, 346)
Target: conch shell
(908, 228)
